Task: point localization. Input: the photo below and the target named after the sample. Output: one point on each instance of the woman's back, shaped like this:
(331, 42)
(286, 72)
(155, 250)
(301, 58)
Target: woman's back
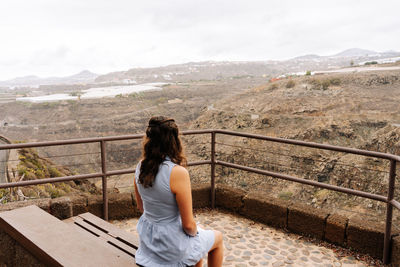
(162, 241)
(159, 202)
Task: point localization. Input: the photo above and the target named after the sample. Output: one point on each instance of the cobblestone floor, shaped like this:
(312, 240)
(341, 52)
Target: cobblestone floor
(248, 243)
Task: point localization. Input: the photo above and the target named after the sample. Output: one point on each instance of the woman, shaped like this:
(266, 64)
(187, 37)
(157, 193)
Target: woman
(168, 233)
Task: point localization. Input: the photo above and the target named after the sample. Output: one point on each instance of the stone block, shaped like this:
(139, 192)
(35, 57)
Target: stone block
(260, 207)
(307, 220)
(395, 258)
(79, 205)
(61, 207)
(121, 206)
(95, 205)
(229, 198)
(43, 203)
(366, 236)
(201, 196)
(13, 205)
(335, 230)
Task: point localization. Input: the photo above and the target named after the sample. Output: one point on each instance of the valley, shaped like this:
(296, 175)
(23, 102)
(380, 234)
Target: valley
(356, 109)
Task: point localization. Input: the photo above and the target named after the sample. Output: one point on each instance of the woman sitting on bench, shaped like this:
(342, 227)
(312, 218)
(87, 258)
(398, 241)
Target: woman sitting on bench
(168, 233)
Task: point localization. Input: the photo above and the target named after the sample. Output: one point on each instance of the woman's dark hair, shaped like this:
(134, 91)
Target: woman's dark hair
(161, 140)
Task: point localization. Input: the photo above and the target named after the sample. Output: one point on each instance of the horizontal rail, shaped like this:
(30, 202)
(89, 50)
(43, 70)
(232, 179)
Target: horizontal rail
(303, 181)
(193, 132)
(395, 204)
(200, 162)
(51, 180)
(314, 145)
(89, 140)
(83, 176)
(71, 141)
(128, 171)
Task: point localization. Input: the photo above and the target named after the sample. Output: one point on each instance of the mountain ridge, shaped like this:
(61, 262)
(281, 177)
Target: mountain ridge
(84, 76)
(209, 70)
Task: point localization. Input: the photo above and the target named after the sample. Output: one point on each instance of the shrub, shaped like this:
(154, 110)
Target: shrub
(30, 192)
(273, 86)
(54, 192)
(28, 172)
(335, 81)
(308, 73)
(75, 94)
(4, 194)
(315, 84)
(290, 84)
(325, 84)
(54, 172)
(370, 63)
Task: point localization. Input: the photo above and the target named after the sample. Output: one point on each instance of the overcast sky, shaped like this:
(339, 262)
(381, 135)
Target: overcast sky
(63, 37)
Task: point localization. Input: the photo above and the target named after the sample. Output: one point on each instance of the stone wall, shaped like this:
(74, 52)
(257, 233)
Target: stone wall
(120, 205)
(357, 233)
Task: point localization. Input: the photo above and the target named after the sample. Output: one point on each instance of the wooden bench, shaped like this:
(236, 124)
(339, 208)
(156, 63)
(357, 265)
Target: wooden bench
(84, 240)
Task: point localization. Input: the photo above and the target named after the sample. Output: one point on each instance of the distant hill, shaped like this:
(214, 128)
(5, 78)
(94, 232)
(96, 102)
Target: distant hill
(215, 70)
(34, 81)
(211, 70)
(307, 57)
(356, 52)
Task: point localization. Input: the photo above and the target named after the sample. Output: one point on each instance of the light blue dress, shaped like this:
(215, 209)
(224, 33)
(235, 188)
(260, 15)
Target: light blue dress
(163, 243)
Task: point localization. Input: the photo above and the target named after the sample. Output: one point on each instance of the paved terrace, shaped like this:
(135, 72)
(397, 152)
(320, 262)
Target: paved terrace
(248, 243)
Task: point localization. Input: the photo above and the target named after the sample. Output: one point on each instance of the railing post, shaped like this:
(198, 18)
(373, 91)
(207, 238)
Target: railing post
(213, 169)
(104, 179)
(389, 213)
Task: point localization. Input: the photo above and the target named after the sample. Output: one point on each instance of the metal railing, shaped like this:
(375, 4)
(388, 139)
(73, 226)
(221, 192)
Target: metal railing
(389, 199)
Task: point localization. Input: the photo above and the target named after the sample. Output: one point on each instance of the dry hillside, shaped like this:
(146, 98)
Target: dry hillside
(357, 110)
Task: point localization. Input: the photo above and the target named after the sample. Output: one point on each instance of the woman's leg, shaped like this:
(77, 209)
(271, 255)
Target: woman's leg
(216, 253)
(199, 264)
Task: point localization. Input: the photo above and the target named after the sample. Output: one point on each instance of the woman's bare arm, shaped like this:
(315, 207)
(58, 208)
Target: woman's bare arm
(139, 201)
(180, 186)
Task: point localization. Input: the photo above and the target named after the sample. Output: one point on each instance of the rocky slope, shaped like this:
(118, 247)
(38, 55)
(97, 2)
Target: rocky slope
(28, 165)
(357, 110)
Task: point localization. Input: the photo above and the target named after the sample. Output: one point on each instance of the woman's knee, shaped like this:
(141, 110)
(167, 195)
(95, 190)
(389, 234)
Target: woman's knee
(218, 237)
(217, 240)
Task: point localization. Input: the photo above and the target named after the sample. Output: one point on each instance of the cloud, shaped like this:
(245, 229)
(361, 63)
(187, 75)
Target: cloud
(48, 38)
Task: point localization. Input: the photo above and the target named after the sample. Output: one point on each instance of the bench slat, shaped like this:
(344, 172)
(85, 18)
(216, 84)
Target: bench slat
(86, 228)
(56, 243)
(111, 229)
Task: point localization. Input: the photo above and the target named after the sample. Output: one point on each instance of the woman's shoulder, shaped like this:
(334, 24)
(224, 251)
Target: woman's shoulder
(179, 177)
(179, 170)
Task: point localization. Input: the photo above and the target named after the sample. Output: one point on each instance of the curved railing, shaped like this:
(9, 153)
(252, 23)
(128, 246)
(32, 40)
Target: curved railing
(388, 199)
